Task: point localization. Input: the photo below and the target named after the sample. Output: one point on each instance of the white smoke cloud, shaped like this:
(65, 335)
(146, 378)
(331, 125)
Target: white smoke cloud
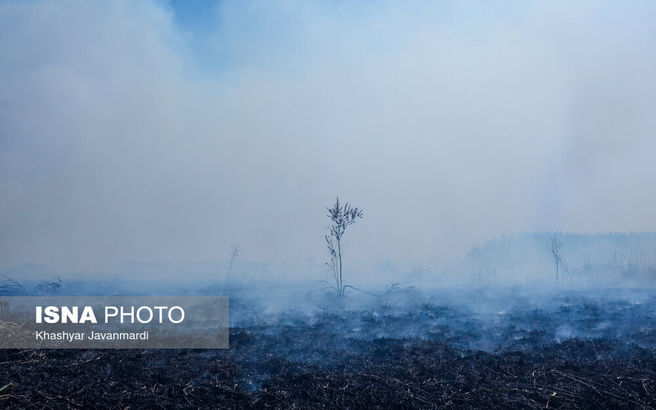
(125, 135)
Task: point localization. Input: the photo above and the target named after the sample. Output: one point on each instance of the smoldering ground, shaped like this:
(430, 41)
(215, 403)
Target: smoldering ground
(460, 347)
(587, 341)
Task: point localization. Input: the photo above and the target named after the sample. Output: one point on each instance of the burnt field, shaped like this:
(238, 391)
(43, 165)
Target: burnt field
(405, 349)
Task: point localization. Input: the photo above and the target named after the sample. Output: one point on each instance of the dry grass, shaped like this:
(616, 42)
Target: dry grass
(14, 335)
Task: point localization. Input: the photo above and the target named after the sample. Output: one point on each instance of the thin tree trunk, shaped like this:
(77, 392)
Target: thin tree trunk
(339, 255)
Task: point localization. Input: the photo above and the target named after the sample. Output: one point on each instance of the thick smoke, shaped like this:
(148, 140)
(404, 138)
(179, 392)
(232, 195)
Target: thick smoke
(132, 132)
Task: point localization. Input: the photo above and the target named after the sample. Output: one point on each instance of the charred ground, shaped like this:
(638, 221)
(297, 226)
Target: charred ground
(404, 351)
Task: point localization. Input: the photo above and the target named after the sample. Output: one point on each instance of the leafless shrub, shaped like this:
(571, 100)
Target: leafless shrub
(9, 286)
(235, 249)
(49, 286)
(396, 289)
(560, 266)
(341, 216)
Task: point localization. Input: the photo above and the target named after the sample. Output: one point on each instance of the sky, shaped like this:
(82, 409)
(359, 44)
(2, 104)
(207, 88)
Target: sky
(167, 130)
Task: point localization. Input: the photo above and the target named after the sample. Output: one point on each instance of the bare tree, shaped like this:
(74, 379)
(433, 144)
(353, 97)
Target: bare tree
(342, 216)
(234, 254)
(560, 266)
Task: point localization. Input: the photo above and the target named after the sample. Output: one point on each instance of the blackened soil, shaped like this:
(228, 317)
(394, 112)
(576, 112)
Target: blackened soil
(315, 373)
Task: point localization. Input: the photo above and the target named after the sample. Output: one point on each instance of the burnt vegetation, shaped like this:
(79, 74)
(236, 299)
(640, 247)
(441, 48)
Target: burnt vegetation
(530, 347)
(386, 373)
(406, 350)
